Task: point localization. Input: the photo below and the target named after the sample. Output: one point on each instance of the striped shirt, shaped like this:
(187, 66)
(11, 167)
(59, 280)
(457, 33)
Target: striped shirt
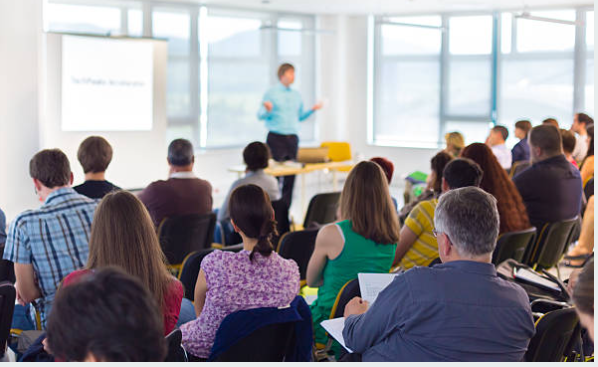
(54, 239)
(421, 222)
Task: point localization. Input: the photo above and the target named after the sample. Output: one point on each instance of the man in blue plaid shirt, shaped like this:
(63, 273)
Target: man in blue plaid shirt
(48, 243)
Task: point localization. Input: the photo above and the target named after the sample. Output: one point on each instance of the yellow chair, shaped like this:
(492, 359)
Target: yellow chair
(339, 151)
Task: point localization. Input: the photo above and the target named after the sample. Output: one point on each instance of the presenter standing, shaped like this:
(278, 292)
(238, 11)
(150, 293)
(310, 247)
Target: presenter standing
(282, 109)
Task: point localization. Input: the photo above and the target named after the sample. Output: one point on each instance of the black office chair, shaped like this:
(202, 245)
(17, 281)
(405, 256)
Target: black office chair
(7, 268)
(281, 215)
(176, 352)
(8, 295)
(434, 262)
(588, 188)
(322, 209)
(346, 294)
(181, 235)
(518, 167)
(556, 333)
(190, 271)
(512, 245)
(550, 244)
(298, 246)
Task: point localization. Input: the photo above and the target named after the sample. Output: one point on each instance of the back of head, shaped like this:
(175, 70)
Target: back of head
(583, 291)
(590, 131)
(568, 140)
(583, 118)
(123, 234)
(503, 131)
(251, 211)
(524, 125)
(366, 202)
(547, 138)
(551, 121)
(469, 217)
(483, 156)
(386, 166)
(107, 315)
(94, 154)
(455, 139)
(51, 167)
(256, 156)
(180, 153)
(462, 172)
(438, 163)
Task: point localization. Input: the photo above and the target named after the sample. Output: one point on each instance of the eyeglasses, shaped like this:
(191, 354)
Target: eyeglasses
(435, 233)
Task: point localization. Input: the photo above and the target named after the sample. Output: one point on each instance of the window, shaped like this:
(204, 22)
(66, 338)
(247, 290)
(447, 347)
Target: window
(589, 87)
(534, 35)
(101, 20)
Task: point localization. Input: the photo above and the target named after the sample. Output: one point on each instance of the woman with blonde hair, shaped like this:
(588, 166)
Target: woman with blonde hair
(454, 143)
(123, 235)
(364, 241)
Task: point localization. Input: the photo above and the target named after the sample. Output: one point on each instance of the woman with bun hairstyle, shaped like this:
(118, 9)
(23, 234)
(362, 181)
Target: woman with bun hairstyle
(229, 282)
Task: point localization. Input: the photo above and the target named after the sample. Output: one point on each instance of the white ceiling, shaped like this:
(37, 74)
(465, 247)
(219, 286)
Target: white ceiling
(392, 6)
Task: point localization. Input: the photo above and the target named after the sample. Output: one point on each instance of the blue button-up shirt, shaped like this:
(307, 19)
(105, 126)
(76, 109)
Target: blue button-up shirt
(458, 311)
(520, 151)
(287, 110)
(54, 239)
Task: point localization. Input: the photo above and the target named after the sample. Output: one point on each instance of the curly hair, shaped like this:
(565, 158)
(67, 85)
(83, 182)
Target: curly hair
(511, 209)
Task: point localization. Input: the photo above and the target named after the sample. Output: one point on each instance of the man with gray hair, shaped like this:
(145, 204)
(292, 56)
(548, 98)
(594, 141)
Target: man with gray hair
(183, 193)
(459, 310)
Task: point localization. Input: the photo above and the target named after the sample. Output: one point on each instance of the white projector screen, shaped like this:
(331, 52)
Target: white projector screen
(107, 84)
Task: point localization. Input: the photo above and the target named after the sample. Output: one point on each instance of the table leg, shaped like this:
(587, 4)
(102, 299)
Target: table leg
(303, 207)
(334, 180)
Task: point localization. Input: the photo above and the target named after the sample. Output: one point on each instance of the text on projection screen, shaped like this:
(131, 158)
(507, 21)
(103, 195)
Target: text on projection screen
(107, 84)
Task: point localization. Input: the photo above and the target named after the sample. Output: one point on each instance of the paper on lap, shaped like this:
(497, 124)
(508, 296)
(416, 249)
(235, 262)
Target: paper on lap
(371, 284)
(335, 327)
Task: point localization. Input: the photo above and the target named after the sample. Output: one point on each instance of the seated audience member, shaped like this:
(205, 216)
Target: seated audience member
(123, 235)
(511, 209)
(183, 193)
(388, 169)
(520, 151)
(568, 140)
(454, 143)
(438, 163)
(6, 267)
(587, 167)
(551, 121)
(48, 243)
(417, 245)
(581, 121)
(459, 310)
(2, 228)
(585, 245)
(108, 316)
(551, 187)
(229, 282)
(364, 241)
(256, 156)
(496, 141)
(94, 155)
(583, 297)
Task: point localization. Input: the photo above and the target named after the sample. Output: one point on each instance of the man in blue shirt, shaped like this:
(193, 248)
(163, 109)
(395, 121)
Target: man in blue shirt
(459, 310)
(520, 151)
(282, 110)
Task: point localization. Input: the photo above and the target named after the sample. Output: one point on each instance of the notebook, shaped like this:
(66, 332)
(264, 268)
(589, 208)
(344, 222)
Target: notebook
(335, 327)
(371, 284)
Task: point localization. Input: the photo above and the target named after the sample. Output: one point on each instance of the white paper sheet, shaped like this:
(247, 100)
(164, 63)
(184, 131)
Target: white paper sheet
(371, 284)
(335, 327)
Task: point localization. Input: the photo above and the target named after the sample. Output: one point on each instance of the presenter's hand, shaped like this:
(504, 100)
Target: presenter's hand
(268, 106)
(356, 306)
(317, 106)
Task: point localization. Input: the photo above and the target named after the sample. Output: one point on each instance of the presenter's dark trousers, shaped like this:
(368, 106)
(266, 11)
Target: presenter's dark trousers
(284, 148)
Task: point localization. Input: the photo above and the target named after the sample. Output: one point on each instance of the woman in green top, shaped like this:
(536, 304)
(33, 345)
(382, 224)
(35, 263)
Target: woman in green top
(364, 241)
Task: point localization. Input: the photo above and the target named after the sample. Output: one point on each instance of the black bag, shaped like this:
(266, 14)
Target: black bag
(506, 269)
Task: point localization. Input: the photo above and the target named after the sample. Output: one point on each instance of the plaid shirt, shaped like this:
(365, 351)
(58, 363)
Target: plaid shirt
(54, 239)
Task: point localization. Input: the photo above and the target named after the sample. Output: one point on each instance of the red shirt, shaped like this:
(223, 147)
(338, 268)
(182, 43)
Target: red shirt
(171, 306)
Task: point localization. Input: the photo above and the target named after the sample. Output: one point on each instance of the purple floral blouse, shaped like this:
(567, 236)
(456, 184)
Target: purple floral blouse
(235, 283)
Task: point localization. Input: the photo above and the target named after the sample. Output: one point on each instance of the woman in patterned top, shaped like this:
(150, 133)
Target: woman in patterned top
(253, 278)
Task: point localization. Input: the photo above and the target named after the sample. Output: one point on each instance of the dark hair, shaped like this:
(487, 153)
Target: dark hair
(524, 125)
(590, 152)
(180, 152)
(551, 121)
(583, 118)
(94, 154)
(109, 314)
(511, 209)
(439, 162)
(51, 167)
(462, 172)
(502, 130)
(256, 156)
(546, 137)
(283, 69)
(251, 211)
(568, 140)
(386, 166)
(583, 291)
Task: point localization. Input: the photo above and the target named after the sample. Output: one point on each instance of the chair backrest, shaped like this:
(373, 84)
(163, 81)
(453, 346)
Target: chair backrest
(551, 243)
(552, 340)
(281, 215)
(176, 352)
(512, 245)
(8, 295)
(190, 271)
(588, 188)
(434, 262)
(518, 167)
(347, 292)
(338, 151)
(181, 235)
(322, 209)
(298, 246)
